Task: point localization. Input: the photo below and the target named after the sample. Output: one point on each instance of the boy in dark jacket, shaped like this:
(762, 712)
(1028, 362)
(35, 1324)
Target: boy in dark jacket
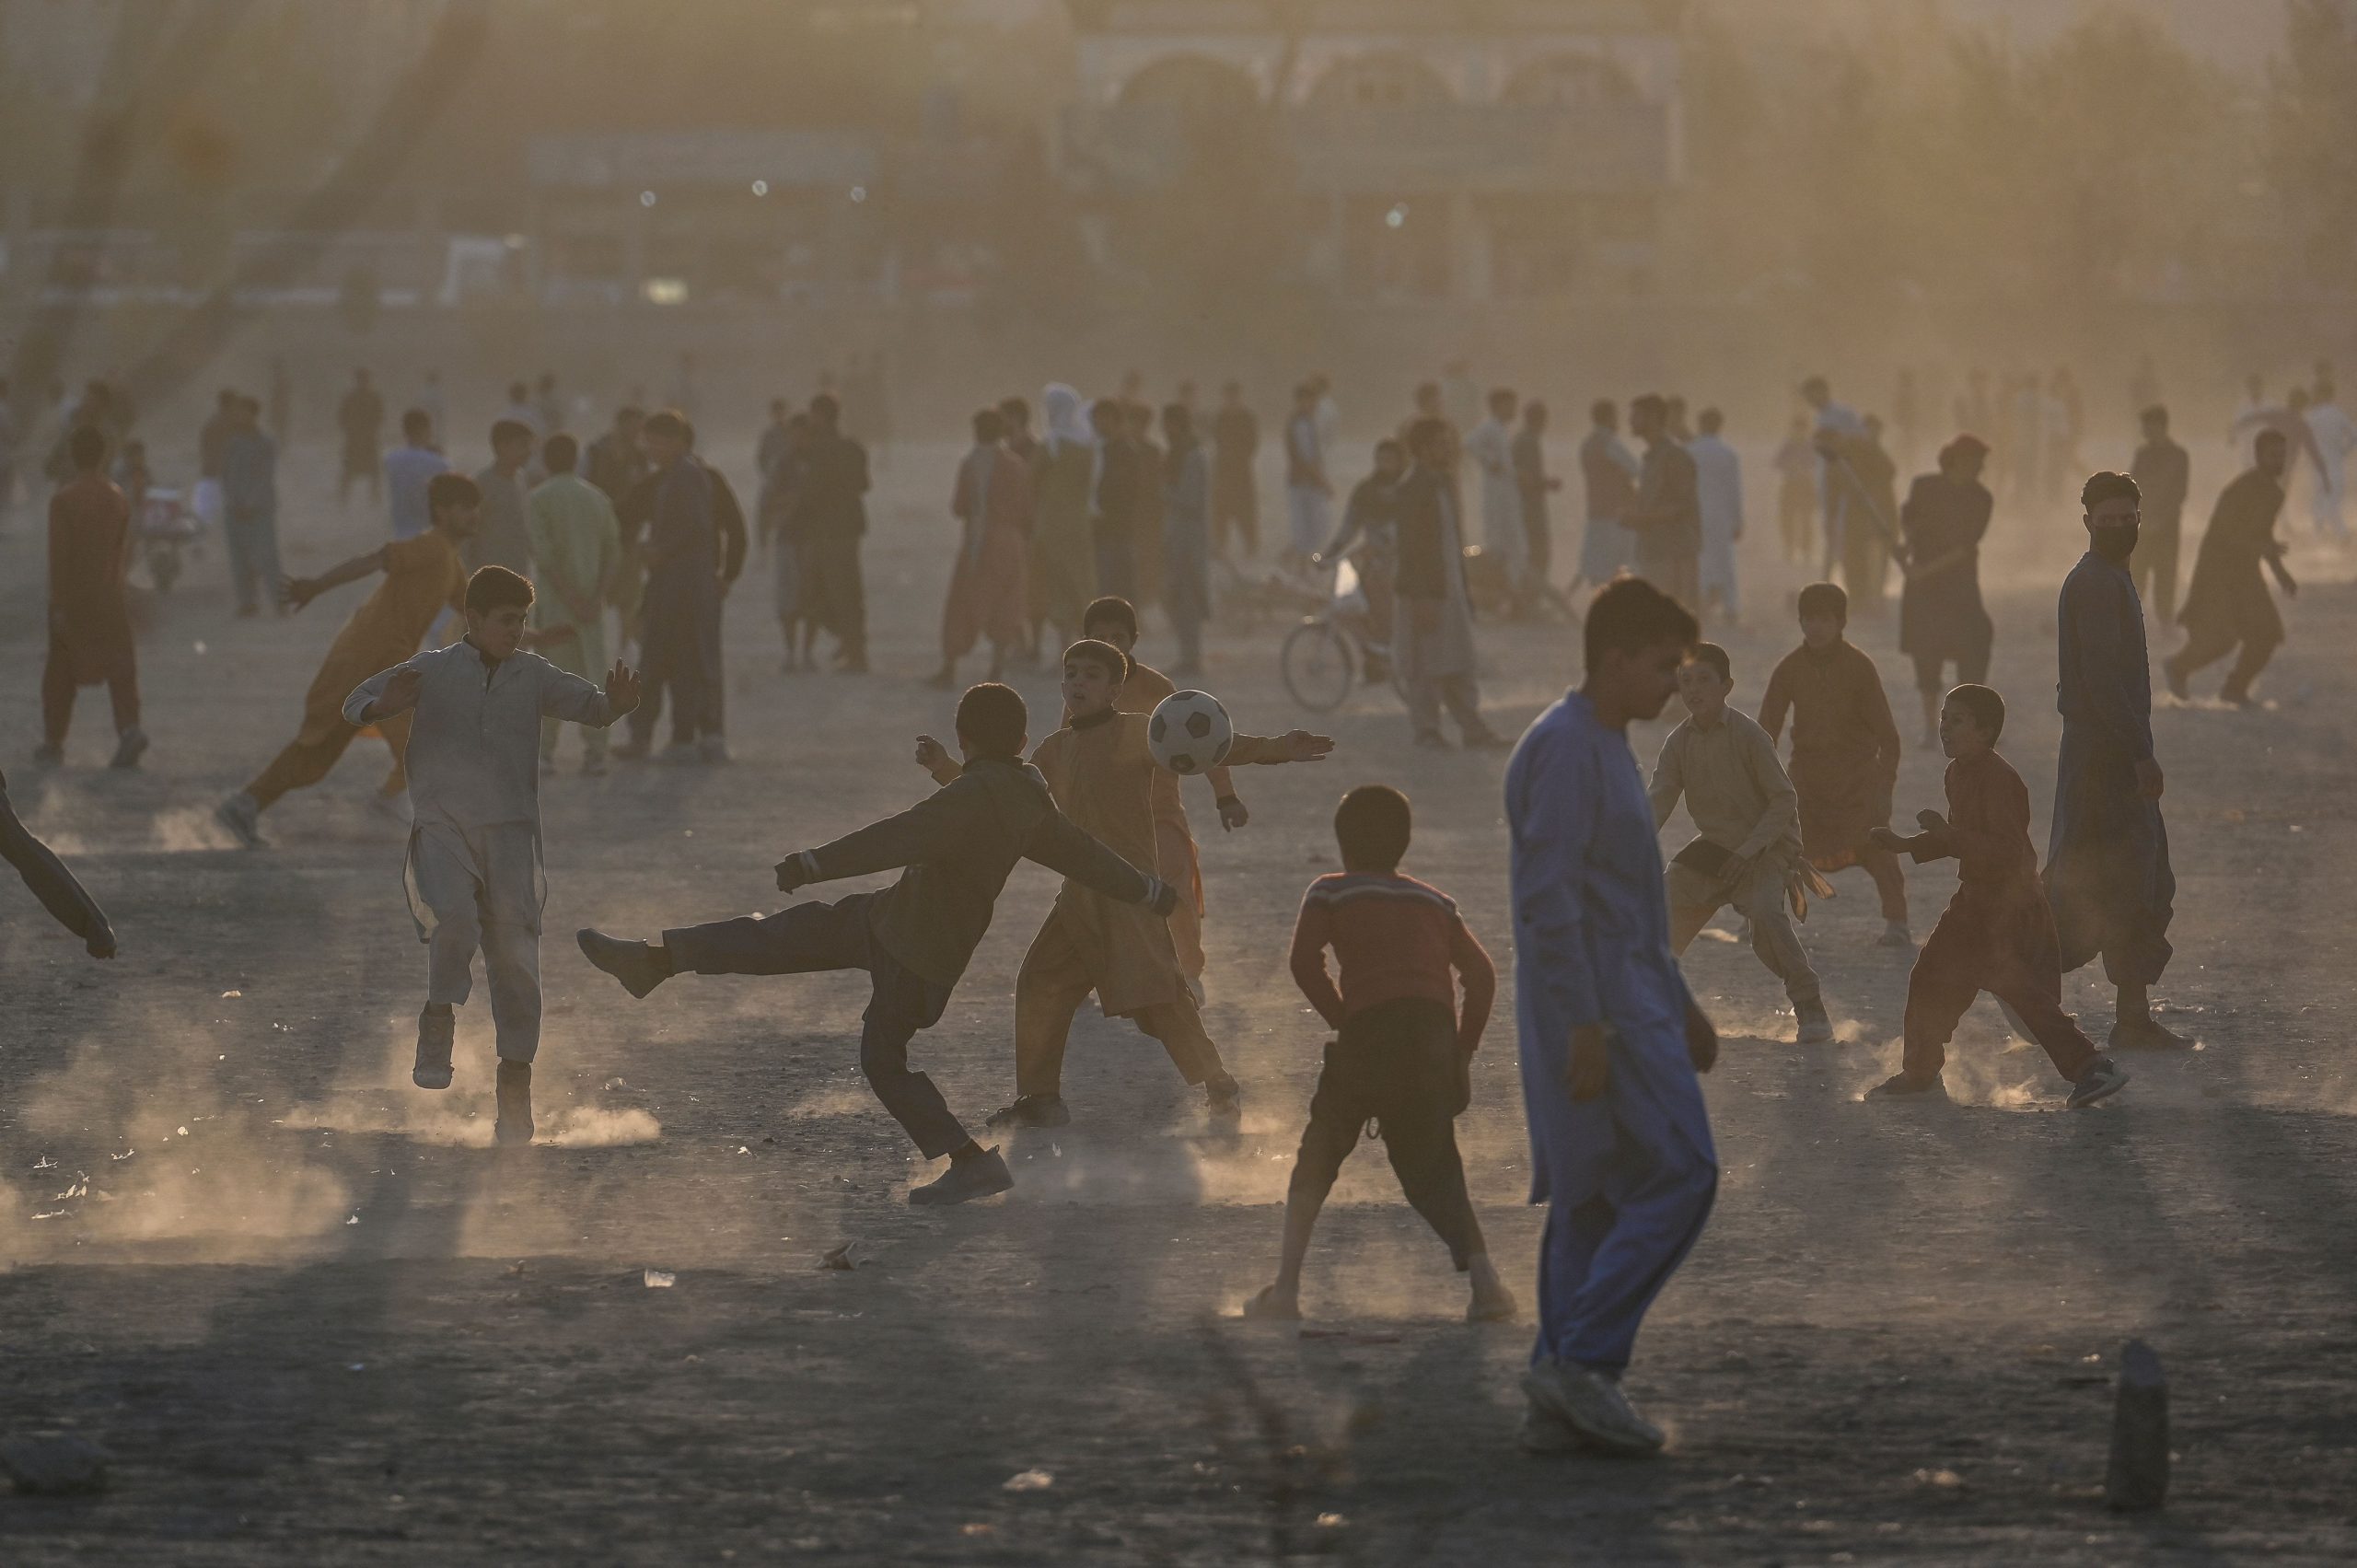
(915, 938)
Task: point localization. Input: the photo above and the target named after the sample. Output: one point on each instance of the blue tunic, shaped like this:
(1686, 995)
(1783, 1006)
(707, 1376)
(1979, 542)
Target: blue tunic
(1630, 1174)
(2107, 871)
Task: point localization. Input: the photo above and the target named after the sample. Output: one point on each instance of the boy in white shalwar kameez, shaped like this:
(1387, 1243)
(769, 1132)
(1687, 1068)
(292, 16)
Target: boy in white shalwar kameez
(475, 874)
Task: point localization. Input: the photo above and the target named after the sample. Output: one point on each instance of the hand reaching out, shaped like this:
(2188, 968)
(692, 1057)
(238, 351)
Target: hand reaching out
(932, 755)
(399, 694)
(1931, 822)
(622, 687)
(296, 592)
(1232, 813)
(1303, 746)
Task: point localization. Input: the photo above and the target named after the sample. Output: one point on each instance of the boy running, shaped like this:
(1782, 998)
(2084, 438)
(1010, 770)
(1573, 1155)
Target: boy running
(1102, 773)
(915, 938)
(473, 875)
(1845, 751)
(422, 577)
(1998, 931)
(1749, 855)
(1402, 1047)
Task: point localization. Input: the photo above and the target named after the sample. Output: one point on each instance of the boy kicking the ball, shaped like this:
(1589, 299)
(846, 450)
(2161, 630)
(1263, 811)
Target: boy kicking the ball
(954, 850)
(1402, 1047)
(1101, 771)
(1997, 934)
(474, 873)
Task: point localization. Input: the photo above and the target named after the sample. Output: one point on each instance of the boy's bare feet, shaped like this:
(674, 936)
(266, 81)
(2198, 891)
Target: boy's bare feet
(1492, 1302)
(130, 746)
(2143, 1033)
(1271, 1307)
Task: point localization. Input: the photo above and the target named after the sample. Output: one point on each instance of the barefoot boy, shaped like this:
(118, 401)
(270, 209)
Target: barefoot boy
(1749, 855)
(473, 877)
(1102, 773)
(1401, 1045)
(1998, 933)
(423, 575)
(1845, 751)
(915, 938)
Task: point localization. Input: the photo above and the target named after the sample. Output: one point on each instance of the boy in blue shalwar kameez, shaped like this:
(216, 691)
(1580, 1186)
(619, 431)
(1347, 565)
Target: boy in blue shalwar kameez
(1611, 1038)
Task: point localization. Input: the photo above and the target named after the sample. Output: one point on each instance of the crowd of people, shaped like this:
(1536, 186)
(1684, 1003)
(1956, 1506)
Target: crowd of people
(487, 629)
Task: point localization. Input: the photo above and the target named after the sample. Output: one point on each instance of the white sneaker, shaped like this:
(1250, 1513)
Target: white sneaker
(1592, 1406)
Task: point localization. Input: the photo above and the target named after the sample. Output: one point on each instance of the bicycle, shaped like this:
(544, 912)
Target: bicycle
(1331, 651)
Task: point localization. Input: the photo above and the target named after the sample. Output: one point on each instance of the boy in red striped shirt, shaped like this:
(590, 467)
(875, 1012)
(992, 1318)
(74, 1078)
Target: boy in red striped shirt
(1402, 1048)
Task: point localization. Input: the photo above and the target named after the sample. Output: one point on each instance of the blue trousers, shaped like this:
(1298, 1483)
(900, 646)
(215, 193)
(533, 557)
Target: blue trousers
(1613, 1240)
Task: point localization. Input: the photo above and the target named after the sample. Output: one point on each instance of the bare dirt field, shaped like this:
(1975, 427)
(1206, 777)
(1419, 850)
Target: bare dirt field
(317, 1319)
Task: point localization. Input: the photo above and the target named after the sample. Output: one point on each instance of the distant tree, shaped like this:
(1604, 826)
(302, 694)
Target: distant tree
(2311, 136)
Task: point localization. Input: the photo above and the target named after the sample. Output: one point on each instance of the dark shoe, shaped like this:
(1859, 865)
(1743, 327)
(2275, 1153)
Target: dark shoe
(1903, 1085)
(2102, 1080)
(130, 747)
(1034, 1110)
(515, 1103)
(632, 963)
(2143, 1034)
(242, 818)
(436, 1031)
(1816, 1025)
(48, 756)
(964, 1182)
(1223, 1097)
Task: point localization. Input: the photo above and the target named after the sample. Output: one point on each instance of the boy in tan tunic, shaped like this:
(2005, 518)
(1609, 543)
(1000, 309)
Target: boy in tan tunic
(1100, 772)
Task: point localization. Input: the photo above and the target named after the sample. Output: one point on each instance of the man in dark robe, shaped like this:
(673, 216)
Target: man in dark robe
(2162, 470)
(2107, 870)
(1941, 618)
(2228, 605)
(89, 623)
(1667, 516)
(680, 613)
(828, 520)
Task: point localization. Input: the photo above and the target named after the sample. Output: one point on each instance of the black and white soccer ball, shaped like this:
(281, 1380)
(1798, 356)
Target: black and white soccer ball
(1190, 732)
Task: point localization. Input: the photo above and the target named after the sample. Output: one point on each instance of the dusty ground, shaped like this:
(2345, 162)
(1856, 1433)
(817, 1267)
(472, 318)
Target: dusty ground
(317, 1319)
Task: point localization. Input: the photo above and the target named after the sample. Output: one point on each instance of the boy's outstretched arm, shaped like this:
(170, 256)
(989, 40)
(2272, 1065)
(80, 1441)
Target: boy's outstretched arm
(300, 591)
(1262, 750)
(385, 693)
(926, 830)
(1068, 850)
(60, 892)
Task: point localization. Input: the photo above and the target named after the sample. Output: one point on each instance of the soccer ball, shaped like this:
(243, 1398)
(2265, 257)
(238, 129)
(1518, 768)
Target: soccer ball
(1190, 732)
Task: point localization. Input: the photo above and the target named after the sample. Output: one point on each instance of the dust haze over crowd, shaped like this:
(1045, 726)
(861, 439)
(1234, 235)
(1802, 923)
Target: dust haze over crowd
(316, 1314)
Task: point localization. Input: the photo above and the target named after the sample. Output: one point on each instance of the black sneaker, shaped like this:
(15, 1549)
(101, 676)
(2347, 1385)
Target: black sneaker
(515, 1103)
(1033, 1110)
(632, 963)
(2103, 1079)
(964, 1182)
(434, 1033)
(1904, 1086)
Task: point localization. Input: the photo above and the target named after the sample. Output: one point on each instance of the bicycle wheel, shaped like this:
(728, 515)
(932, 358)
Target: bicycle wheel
(1317, 665)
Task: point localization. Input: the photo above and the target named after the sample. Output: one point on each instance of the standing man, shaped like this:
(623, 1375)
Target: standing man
(1235, 493)
(1533, 484)
(2228, 604)
(1941, 618)
(2107, 870)
(2336, 438)
(1431, 629)
(680, 613)
(89, 623)
(577, 545)
(1608, 474)
(409, 469)
(1308, 492)
(830, 518)
(616, 463)
(1186, 547)
(1832, 425)
(992, 501)
(361, 418)
(249, 508)
(1667, 516)
(1491, 445)
(1611, 1038)
(504, 538)
(2164, 471)
(1718, 485)
(1117, 498)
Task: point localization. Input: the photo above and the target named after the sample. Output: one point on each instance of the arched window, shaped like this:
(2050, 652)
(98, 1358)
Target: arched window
(1571, 81)
(1380, 81)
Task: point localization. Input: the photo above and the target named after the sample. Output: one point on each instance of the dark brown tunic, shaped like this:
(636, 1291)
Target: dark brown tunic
(89, 544)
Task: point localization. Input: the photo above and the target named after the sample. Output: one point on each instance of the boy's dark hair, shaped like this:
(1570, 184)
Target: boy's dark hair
(1372, 826)
(2109, 486)
(1015, 412)
(994, 719)
(506, 430)
(559, 454)
(1825, 599)
(86, 445)
(1987, 708)
(1628, 614)
(2158, 415)
(1716, 658)
(417, 421)
(825, 410)
(497, 587)
(665, 424)
(989, 425)
(1601, 409)
(1088, 650)
(1112, 608)
(1390, 446)
(451, 490)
